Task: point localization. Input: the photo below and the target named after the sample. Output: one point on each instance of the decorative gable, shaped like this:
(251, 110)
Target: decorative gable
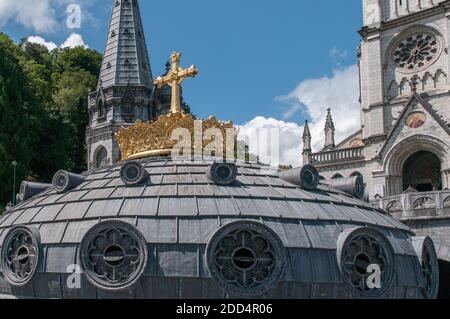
(417, 118)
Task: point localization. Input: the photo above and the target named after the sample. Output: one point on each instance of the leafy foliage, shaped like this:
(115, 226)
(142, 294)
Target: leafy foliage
(43, 110)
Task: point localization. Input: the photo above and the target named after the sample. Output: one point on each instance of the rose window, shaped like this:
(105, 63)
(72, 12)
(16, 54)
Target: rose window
(416, 52)
(365, 258)
(246, 258)
(20, 255)
(113, 255)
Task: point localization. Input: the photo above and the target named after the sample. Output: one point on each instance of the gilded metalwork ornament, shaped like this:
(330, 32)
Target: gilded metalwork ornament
(145, 139)
(174, 78)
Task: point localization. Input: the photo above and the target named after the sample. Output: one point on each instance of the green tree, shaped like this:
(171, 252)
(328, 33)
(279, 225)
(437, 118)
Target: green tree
(70, 96)
(17, 117)
(43, 110)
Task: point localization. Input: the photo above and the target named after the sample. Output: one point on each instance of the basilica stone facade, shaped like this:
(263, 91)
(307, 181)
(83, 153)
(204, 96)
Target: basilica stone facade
(125, 91)
(402, 148)
(403, 140)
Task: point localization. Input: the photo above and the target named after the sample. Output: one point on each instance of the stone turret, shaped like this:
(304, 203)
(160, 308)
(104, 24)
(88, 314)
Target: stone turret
(125, 91)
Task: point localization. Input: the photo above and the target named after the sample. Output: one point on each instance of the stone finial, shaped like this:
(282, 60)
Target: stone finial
(307, 141)
(307, 137)
(329, 132)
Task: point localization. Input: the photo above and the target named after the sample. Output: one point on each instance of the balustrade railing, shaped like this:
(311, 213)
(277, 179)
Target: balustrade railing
(336, 156)
(412, 205)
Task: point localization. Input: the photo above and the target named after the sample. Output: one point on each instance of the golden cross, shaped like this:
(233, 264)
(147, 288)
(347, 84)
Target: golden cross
(174, 78)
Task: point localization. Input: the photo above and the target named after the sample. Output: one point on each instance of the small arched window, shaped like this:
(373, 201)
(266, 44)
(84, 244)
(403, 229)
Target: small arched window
(337, 176)
(101, 157)
(101, 110)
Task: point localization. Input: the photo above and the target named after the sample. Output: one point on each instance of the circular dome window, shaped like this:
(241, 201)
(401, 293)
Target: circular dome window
(426, 252)
(246, 258)
(366, 261)
(20, 255)
(133, 173)
(113, 255)
(222, 173)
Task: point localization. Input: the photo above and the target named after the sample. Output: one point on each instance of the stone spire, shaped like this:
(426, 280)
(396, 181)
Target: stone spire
(125, 92)
(329, 132)
(126, 57)
(307, 149)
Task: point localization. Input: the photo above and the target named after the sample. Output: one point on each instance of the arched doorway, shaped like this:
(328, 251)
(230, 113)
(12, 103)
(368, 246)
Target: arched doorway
(396, 167)
(422, 171)
(101, 157)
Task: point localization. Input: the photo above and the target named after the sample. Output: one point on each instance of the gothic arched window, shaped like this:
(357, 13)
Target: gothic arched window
(101, 110)
(101, 157)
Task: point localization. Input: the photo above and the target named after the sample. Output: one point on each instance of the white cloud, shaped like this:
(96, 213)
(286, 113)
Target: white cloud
(39, 40)
(258, 133)
(42, 16)
(74, 40)
(38, 14)
(340, 92)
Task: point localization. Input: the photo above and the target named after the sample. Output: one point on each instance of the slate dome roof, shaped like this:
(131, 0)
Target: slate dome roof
(177, 234)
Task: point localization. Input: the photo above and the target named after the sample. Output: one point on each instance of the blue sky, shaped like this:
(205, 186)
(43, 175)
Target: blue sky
(250, 53)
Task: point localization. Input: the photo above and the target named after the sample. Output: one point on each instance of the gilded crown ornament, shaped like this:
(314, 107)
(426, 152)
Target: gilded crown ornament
(161, 136)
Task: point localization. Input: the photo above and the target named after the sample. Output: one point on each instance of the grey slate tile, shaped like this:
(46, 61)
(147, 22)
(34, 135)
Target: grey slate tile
(74, 210)
(217, 206)
(140, 207)
(302, 210)
(160, 190)
(264, 191)
(9, 218)
(159, 230)
(162, 170)
(323, 235)
(299, 266)
(177, 179)
(179, 260)
(115, 182)
(48, 213)
(101, 193)
(77, 229)
(200, 178)
(194, 231)
(103, 208)
(51, 199)
(33, 202)
(195, 190)
(295, 235)
(59, 258)
(127, 192)
(27, 215)
(177, 207)
(98, 183)
(52, 233)
(72, 196)
(260, 207)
